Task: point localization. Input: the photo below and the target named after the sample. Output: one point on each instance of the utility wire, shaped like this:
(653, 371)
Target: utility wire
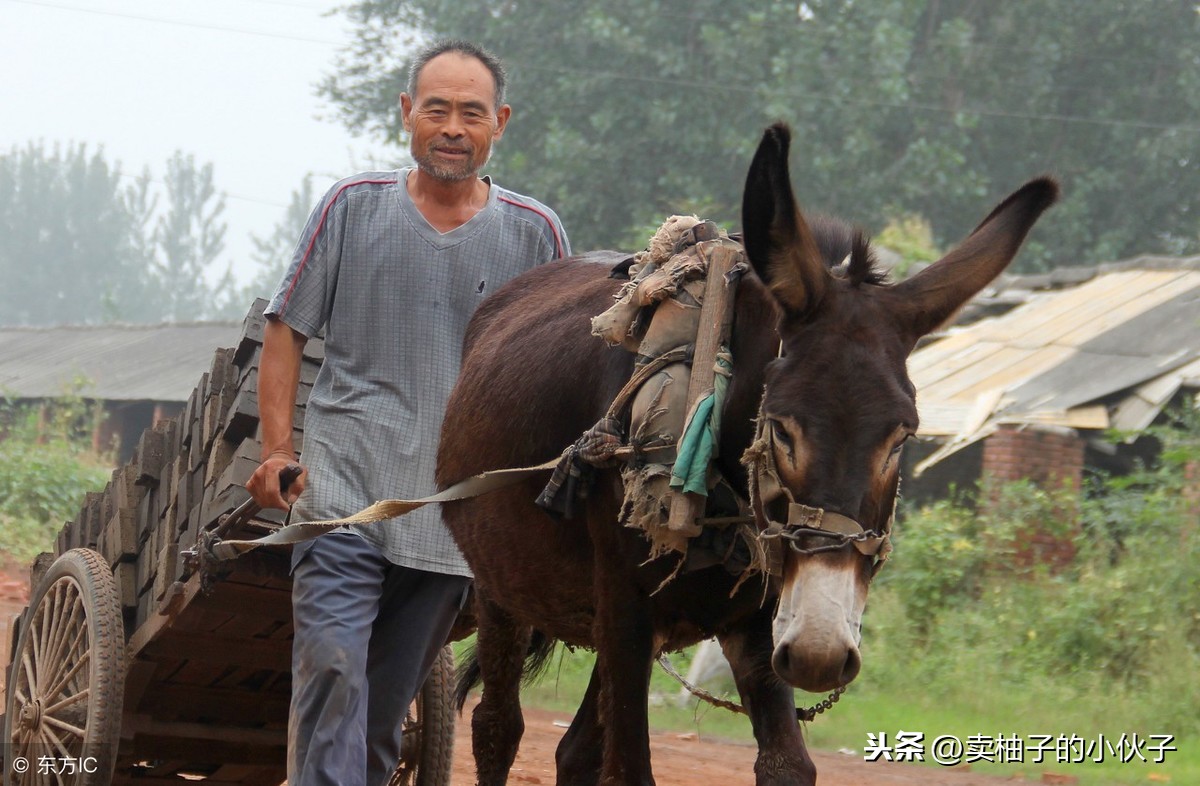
(177, 23)
(676, 82)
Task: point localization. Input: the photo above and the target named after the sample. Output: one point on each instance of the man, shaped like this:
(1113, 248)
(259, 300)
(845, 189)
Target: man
(391, 264)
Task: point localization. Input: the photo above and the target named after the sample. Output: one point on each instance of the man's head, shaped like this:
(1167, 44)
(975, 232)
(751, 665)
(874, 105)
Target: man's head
(454, 109)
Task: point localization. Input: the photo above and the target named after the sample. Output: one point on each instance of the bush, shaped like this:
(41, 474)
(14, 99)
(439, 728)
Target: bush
(956, 612)
(47, 465)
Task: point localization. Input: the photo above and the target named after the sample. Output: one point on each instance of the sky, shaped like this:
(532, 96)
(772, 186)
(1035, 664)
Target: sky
(232, 82)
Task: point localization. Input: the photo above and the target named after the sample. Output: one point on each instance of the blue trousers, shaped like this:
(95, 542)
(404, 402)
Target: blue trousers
(366, 635)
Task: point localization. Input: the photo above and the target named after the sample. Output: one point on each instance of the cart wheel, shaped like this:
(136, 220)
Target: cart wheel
(427, 748)
(68, 677)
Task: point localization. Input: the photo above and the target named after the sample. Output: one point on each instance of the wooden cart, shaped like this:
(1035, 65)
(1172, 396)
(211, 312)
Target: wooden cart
(130, 664)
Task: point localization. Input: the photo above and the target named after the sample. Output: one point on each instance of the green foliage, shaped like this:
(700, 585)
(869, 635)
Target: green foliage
(961, 637)
(636, 110)
(81, 247)
(958, 606)
(911, 237)
(47, 465)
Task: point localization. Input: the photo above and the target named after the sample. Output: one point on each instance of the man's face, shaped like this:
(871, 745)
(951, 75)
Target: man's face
(453, 119)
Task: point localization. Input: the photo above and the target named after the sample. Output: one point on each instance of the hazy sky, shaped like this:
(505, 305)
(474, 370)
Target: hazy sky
(230, 81)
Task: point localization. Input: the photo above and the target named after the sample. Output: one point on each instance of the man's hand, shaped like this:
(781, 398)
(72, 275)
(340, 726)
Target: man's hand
(264, 483)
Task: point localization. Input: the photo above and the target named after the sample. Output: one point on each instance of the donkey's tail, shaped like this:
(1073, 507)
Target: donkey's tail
(468, 673)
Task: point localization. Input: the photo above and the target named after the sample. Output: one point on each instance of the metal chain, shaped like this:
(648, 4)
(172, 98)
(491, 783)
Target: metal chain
(793, 535)
(804, 714)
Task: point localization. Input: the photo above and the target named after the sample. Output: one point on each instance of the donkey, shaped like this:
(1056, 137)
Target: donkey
(819, 351)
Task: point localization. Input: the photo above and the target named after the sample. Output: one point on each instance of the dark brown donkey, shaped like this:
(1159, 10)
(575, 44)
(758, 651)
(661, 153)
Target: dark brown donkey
(837, 407)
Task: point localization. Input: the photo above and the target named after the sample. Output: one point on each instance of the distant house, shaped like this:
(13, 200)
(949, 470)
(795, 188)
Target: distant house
(141, 373)
(1050, 363)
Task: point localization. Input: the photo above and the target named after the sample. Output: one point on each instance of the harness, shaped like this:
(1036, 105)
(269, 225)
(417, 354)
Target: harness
(675, 313)
(807, 530)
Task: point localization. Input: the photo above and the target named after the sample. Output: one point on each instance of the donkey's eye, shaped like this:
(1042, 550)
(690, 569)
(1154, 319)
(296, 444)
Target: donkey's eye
(900, 445)
(781, 434)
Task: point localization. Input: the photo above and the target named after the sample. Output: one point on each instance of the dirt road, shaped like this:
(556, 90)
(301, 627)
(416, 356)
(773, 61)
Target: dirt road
(678, 759)
(689, 760)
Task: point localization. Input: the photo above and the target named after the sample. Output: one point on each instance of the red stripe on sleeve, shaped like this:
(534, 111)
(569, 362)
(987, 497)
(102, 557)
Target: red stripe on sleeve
(321, 225)
(558, 247)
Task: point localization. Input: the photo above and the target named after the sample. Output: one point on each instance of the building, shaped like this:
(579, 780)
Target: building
(140, 373)
(1039, 372)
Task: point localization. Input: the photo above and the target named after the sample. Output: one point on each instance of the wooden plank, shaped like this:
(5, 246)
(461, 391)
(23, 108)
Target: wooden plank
(261, 602)
(712, 330)
(196, 703)
(211, 648)
(175, 779)
(150, 627)
(1016, 371)
(139, 677)
(1028, 322)
(247, 776)
(207, 732)
(208, 751)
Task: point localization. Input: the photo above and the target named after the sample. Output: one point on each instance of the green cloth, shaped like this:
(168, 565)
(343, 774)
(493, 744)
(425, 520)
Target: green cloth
(700, 435)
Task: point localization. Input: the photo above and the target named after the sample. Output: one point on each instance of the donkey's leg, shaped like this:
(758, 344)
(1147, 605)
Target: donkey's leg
(580, 752)
(624, 643)
(782, 756)
(496, 723)
(623, 634)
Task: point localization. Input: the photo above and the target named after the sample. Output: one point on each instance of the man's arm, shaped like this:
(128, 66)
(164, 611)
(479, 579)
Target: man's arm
(278, 378)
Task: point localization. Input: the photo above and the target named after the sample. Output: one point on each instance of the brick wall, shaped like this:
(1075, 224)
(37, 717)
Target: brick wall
(1052, 458)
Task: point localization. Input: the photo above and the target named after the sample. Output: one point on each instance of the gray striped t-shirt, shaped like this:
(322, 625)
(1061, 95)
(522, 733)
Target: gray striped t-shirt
(394, 296)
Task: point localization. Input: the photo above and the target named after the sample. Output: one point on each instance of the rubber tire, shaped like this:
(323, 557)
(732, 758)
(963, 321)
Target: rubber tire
(434, 713)
(93, 582)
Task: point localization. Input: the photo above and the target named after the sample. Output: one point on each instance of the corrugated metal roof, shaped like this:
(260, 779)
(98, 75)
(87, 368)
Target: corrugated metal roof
(119, 363)
(1126, 340)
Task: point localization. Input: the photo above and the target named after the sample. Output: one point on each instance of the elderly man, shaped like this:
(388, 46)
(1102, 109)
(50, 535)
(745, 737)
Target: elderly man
(391, 264)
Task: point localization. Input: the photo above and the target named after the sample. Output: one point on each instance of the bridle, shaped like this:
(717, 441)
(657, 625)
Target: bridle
(804, 523)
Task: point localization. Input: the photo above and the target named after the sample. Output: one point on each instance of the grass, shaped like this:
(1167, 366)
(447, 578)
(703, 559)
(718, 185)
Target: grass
(972, 699)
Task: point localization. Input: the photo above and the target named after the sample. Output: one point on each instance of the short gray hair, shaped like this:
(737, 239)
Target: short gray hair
(467, 49)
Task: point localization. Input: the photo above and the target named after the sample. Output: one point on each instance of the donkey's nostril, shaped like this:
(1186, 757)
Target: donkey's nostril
(852, 666)
(781, 661)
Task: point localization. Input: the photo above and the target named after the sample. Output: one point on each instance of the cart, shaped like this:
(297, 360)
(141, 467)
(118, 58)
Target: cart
(133, 664)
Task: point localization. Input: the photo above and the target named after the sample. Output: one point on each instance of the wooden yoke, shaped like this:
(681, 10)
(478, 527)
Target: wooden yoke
(712, 332)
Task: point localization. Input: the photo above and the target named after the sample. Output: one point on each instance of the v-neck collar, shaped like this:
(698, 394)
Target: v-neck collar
(427, 231)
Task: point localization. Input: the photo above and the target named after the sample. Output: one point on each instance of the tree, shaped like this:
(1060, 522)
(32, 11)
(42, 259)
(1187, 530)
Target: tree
(188, 238)
(67, 239)
(79, 246)
(636, 109)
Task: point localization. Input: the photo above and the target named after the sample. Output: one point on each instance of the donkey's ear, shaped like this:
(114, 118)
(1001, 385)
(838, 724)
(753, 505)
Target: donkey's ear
(933, 295)
(778, 242)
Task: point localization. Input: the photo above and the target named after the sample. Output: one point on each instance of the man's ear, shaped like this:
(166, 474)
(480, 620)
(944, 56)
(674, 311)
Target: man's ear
(406, 107)
(502, 116)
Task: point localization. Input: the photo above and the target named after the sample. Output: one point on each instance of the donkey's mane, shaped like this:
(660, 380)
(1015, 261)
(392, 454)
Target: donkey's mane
(837, 240)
